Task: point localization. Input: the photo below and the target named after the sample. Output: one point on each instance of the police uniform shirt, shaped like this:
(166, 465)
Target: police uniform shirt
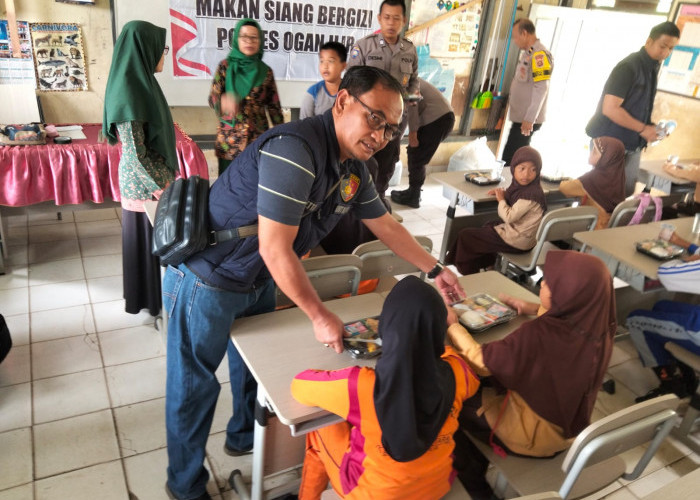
(528, 90)
(399, 60)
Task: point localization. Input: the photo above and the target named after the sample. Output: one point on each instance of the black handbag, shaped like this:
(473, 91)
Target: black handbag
(181, 224)
(5, 339)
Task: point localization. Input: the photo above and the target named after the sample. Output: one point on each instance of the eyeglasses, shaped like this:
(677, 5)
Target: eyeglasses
(248, 38)
(166, 50)
(376, 122)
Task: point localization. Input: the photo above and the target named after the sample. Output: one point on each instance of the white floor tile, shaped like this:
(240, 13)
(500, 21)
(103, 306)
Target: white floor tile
(24, 492)
(53, 251)
(90, 247)
(131, 344)
(222, 372)
(222, 464)
(74, 443)
(103, 265)
(18, 235)
(95, 229)
(141, 427)
(105, 289)
(75, 321)
(634, 376)
(95, 214)
(53, 232)
(111, 316)
(224, 409)
(103, 481)
(59, 295)
(46, 273)
(16, 367)
(146, 475)
(19, 328)
(14, 301)
(14, 277)
(16, 458)
(652, 482)
(15, 406)
(17, 256)
(56, 398)
(136, 382)
(45, 217)
(63, 356)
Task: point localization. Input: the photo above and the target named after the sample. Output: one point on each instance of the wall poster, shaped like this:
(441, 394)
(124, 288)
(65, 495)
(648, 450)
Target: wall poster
(16, 70)
(59, 57)
(680, 72)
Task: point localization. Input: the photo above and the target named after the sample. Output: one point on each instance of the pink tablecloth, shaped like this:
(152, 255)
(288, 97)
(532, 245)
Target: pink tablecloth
(74, 173)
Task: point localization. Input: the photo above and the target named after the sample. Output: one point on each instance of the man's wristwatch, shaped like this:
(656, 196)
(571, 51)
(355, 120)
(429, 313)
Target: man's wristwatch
(433, 273)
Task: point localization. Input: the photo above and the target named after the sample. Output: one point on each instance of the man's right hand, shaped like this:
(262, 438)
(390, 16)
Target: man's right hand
(328, 329)
(649, 134)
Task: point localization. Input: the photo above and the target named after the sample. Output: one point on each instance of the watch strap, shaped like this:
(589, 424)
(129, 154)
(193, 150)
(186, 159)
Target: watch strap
(433, 273)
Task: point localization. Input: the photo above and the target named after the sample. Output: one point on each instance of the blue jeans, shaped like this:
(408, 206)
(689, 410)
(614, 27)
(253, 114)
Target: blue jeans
(200, 319)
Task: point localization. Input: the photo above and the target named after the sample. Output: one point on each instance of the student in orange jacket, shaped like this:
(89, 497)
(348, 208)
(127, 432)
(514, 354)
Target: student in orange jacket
(397, 439)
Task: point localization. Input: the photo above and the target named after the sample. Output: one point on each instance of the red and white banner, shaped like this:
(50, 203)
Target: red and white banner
(202, 31)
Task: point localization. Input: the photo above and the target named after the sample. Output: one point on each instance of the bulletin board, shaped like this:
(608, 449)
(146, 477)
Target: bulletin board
(680, 72)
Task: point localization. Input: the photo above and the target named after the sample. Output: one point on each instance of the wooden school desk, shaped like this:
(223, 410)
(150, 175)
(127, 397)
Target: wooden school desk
(481, 207)
(278, 345)
(616, 247)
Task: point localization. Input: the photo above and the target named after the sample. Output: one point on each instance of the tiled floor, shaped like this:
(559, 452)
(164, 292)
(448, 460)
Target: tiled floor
(82, 391)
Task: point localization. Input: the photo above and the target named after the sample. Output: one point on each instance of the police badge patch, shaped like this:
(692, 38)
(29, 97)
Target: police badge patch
(355, 52)
(348, 187)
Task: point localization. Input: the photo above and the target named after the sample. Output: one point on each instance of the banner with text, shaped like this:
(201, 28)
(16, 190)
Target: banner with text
(202, 31)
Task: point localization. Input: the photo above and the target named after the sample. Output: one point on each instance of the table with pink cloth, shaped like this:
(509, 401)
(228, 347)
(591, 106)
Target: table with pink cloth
(83, 171)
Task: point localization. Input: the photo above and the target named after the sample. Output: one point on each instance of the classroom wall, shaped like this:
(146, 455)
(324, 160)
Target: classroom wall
(95, 23)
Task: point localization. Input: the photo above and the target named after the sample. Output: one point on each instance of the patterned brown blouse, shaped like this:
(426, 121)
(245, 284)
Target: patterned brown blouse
(251, 120)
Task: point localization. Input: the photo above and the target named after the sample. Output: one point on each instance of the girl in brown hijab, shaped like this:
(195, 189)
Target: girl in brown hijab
(604, 186)
(520, 208)
(545, 376)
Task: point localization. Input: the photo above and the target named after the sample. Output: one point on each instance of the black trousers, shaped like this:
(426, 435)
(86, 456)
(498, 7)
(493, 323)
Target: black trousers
(141, 268)
(429, 138)
(517, 140)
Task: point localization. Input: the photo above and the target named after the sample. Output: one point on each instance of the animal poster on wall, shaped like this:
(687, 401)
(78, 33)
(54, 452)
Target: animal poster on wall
(59, 57)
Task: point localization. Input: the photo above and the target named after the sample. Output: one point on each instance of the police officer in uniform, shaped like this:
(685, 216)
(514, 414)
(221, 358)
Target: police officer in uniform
(396, 54)
(529, 88)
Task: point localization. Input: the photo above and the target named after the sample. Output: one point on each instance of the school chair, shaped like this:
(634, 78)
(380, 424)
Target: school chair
(593, 461)
(330, 275)
(379, 262)
(556, 225)
(624, 211)
(684, 429)
(457, 492)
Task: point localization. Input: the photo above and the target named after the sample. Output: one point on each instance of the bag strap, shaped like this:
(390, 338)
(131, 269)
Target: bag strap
(239, 233)
(498, 450)
(644, 199)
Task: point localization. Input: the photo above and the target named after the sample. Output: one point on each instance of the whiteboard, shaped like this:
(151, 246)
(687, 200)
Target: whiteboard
(185, 92)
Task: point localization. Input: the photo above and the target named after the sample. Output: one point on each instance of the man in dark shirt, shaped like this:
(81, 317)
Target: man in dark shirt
(295, 182)
(625, 106)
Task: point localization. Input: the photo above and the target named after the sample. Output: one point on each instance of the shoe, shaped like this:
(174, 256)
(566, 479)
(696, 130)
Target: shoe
(675, 385)
(233, 452)
(409, 197)
(172, 496)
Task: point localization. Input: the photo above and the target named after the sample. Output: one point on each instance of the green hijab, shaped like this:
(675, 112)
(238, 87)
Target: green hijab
(133, 93)
(244, 72)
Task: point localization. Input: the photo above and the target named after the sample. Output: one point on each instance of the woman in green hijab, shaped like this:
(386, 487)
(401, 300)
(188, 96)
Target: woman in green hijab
(243, 88)
(137, 115)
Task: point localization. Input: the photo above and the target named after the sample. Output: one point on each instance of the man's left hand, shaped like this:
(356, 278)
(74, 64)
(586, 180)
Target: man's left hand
(413, 139)
(526, 128)
(449, 287)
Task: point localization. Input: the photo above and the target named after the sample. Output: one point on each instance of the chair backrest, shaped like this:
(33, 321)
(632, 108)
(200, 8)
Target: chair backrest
(562, 223)
(625, 210)
(378, 260)
(330, 275)
(649, 421)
